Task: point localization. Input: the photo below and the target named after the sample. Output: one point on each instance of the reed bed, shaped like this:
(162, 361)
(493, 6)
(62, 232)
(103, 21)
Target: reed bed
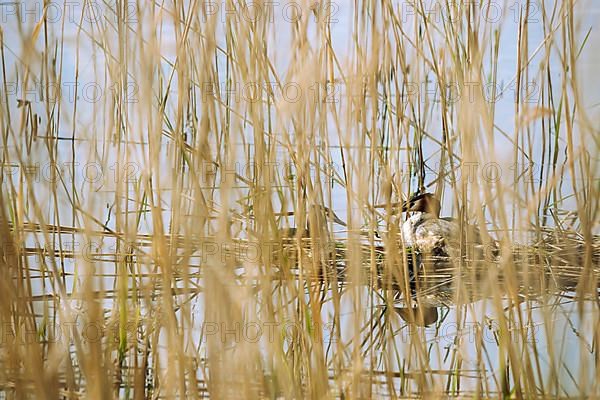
(201, 199)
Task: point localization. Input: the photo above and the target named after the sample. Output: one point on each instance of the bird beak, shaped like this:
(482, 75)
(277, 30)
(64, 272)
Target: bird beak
(407, 206)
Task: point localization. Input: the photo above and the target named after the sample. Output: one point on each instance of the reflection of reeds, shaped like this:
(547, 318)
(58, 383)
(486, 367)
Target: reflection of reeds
(184, 230)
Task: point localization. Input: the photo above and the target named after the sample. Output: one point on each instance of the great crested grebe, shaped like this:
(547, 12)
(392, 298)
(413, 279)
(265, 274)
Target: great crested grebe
(437, 245)
(426, 232)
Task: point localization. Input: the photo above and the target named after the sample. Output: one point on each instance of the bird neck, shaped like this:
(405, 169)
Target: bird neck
(421, 215)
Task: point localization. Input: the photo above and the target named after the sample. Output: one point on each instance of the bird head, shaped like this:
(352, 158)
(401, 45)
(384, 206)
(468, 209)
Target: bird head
(423, 202)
